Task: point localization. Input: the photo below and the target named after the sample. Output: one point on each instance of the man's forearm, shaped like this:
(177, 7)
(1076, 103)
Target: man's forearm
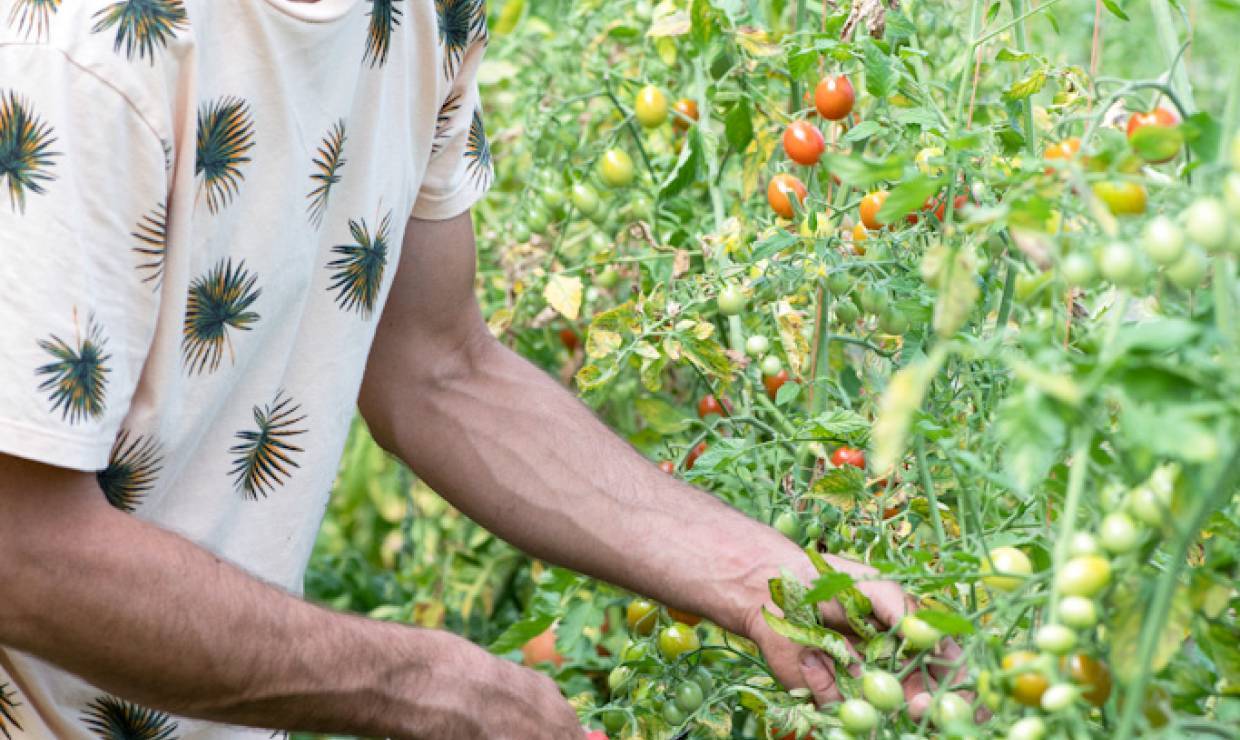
(526, 459)
(157, 620)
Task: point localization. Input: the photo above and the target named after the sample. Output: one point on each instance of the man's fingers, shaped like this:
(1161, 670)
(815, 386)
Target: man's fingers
(819, 675)
(944, 664)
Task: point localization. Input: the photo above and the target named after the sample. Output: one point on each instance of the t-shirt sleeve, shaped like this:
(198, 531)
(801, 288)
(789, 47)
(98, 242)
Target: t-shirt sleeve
(83, 190)
(460, 170)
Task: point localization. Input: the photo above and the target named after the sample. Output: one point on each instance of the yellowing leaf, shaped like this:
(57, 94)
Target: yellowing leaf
(563, 293)
(792, 337)
(900, 400)
(601, 342)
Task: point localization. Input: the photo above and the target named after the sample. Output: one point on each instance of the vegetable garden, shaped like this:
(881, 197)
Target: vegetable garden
(946, 287)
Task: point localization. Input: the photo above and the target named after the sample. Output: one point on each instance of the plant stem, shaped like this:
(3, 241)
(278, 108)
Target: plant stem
(1072, 502)
(1164, 24)
(794, 85)
(927, 485)
(1022, 38)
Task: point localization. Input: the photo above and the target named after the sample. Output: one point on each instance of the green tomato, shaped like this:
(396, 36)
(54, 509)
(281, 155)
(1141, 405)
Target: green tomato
(1013, 563)
(1205, 220)
(1118, 264)
(553, 198)
(688, 697)
(1188, 272)
(521, 233)
(1163, 240)
(873, 299)
(1149, 505)
(883, 690)
(858, 716)
(788, 525)
(677, 640)
(607, 278)
(1118, 533)
(757, 345)
(1235, 151)
(1077, 269)
(1085, 575)
(1078, 612)
(585, 199)
(1055, 639)
(641, 207)
(1231, 194)
(703, 679)
(633, 651)
(892, 321)
(614, 720)
(917, 634)
(951, 709)
(618, 679)
(615, 168)
(537, 218)
(846, 311)
(771, 365)
(672, 714)
(838, 283)
(1027, 728)
(731, 300)
(1083, 543)
(1058, 697)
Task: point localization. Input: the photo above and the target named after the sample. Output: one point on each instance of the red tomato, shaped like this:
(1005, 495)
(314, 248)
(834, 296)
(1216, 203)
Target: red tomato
(688, 618)
(667, 466)
(596, 735)
(1158, 117)
(1091, 675)
(694, 454)
(869, 208)
(710, 405)
(779, 193)
(803, 143)
(773, 383)
(541, 649)
(686, 109)
(568, 338)
(848, 456)
(834, 97)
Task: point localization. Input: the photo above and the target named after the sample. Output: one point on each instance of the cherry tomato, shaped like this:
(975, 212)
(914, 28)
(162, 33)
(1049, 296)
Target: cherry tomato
(951, 709)
(702, 678)
(1122, 197)
(834, 97)
(858, 716)
(869, 208)
(1078, 269)
(615, 168)
(694, 454)
(1012, 563)
(599, 734)
(773, 383)
(1158, 118)
(521, 232)
(683, 617)
(918, 634)
(1083, 543)
(1205, 221)
(1028, 682)
(672, 714)
(757, 345)
(771, 365)
(1078, 612)
(883, 690)
(667, 466)
(848, 456)
(607, 278)
(688, 697)
(650, 107)
(940, 206)
(677, 640)
(710, 405)
(569, 339)
(731, 300)
(780, 192)
(618, 679)
(585, 199)
(686, 114)
(787, 525)
(873, 299)
(1163, 240)
(1091, 675)
(633, 651)
(924, 158)
(859, 234)
(1027, 728)
(642, 615)
(1118, 533)
(892, 321)
(838, 283)
(846, 311)
(1066, 149)
(1084, 575)
(803, 143)
(1119, 264)
(1058, 698)
(1055, 639)
(1188, 271)
(541, 649)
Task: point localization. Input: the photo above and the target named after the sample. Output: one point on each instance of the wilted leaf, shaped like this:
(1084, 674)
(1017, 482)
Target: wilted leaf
(827, 640)
(896, 407)
(837, 424)
(1129, 606)
(563, 293)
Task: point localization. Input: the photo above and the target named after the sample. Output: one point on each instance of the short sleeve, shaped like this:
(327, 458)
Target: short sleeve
(83, 192)
(459, 171)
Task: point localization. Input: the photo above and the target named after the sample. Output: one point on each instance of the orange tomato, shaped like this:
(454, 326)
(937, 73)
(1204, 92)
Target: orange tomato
(687, 111)
(773, 383)
(1027, 686)
(859, 234)
(803, 143)
(777, 193)
(694, 454)
(688, 618)
(541, 649)
(1066, 149)
(1091, 675)
(667, 466)
(1158, 117)
(870, 206)
(834, 97)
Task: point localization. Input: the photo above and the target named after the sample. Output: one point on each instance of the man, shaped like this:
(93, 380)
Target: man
(228, 222)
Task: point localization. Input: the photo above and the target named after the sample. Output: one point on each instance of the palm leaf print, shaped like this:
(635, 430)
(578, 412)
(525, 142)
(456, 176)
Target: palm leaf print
(384, 18)
(25, 155)
(152, 236)
(460, 22)
(359, 270)
(110, 718)
(478, 152)
(133, 466)
(443, 121)
(78, 376)
(327, 171)
(33, 16)
(225, 138)
(8, 711)
(264, 454)
(141, 24)
(218, 300)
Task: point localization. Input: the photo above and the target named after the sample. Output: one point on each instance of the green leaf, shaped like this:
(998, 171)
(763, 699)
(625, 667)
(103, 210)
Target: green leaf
(1203, 134)
(827, 640)
(708, 356)
(1160, 335)
(899, 26)
(827, 587)
(880, 76)
(720, 454)
(1028, 86)
(803, 64)
(521, 632)
(946, 622)
(837, 424)
(843, 486)
(922, 117)
(907, 197)
(1157, 143)
(861, 172)
(1112, 6)
(661, 415)
(1129, 604)
(862, 131)
(1013, 55)
(776, 242)
(738, 125)
(787, 393)
(688, 166)
(704, 25)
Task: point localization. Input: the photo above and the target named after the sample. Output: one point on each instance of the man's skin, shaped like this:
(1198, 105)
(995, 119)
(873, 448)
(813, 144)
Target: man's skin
(157, 620)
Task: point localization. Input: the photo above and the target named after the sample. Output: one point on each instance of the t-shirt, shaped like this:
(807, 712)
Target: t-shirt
(202, 204)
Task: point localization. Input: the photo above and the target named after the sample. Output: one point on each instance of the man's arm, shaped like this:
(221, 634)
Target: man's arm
(154, 619)
(520, 455)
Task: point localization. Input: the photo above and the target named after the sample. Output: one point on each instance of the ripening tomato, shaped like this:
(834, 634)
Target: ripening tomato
(688, 618)
(597, 734)
(615, 168)
(918, 634)
(641, 615)
(541, 649)
(676, 640)
(1091, 674)
(773, 383)
(940, 207)
(1057, 698)
(1160, 116)
(869, 208)
(1013, 563)
(859, 234)
(1066, 149)
(667, 466)
(779, 193)
(1055, 639)
(803, 143)
(731, 301)
(1085, 575)
(771, 365)
(686, 113)
(1078, 612)
(834, 97)
(568, 338)
(848, 456)
(650, 107)
(1163, 240)
(694, 454)
(1027, 728)
(1028, 682)
(1122, 197)
(710, 405)
(1206, 222)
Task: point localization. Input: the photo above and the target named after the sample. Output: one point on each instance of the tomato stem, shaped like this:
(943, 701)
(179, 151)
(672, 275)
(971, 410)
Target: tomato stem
(927, 484)
(1079, 456)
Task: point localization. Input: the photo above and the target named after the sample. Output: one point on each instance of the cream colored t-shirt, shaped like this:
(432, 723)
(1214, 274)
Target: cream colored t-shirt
(202, 204)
